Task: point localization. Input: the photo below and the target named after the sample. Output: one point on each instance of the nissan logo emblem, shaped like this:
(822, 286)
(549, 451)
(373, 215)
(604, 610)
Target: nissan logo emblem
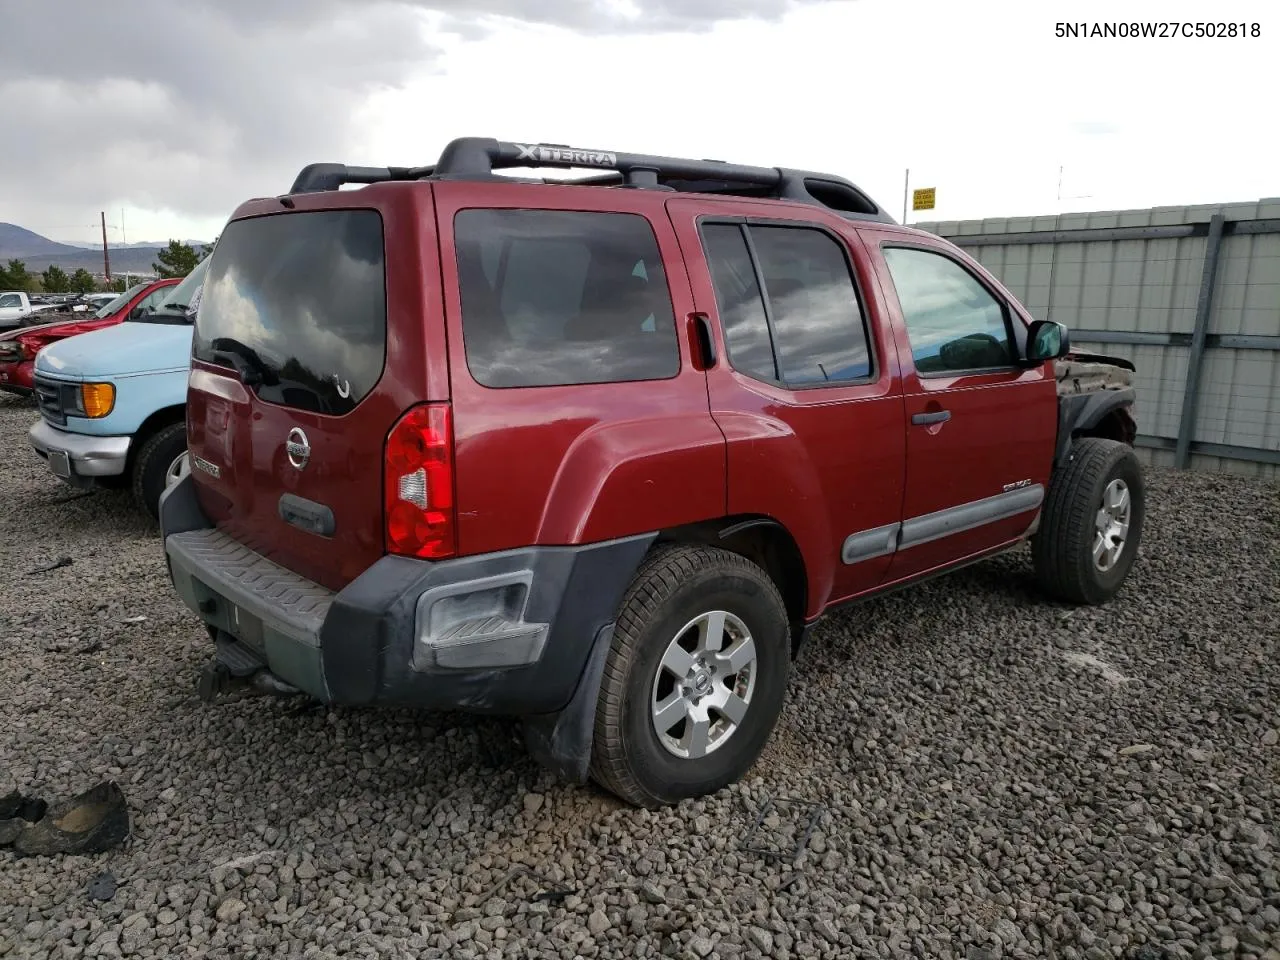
(298, 448)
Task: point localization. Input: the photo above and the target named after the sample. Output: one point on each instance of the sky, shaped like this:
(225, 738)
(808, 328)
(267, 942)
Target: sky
(166, 114)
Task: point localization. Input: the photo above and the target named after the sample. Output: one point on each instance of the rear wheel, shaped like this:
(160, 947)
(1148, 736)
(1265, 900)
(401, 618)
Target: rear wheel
(1092, 524)
(695, 678)
(160, 459)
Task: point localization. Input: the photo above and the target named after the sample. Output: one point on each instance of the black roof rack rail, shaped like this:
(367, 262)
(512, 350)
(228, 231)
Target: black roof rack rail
(319, 177)
(476, 158)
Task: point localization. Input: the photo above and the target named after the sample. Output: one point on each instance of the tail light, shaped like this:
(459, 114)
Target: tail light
(418, 484)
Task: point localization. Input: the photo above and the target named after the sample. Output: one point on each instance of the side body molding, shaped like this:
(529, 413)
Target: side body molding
(868, 544)
(967, 516)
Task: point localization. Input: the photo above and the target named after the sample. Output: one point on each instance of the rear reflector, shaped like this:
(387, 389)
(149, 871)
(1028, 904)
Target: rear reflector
(418, 484)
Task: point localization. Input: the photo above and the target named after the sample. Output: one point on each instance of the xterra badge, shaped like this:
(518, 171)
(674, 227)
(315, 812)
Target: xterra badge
(567, 155)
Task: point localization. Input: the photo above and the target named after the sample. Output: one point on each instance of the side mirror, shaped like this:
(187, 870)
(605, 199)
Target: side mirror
(1047, 340)
(135, 313)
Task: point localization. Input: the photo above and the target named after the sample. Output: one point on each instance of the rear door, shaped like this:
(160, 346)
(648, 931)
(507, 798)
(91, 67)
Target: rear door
(313, 336)
(807, 389)
(981, 428)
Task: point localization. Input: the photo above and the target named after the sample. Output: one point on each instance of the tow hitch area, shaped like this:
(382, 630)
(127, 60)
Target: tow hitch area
(216, 680)
(235, 670)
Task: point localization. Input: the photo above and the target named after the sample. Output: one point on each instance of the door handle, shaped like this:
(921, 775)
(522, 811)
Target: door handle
(700, 342)
(938, 416)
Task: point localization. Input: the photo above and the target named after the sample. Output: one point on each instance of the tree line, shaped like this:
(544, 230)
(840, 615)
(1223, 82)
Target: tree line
(176, 260)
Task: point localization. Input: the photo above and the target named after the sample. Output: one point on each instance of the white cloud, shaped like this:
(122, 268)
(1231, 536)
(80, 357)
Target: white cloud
(980, 99)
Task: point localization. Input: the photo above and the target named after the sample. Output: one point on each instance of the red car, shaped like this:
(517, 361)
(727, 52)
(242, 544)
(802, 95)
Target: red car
(601, 454)
(18, 348)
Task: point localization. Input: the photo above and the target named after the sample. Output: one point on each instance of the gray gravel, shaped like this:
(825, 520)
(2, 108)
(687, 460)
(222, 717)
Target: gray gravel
(1002, 777)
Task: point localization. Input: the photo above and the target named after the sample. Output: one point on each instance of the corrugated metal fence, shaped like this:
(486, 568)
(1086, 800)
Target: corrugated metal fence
(1190, 294)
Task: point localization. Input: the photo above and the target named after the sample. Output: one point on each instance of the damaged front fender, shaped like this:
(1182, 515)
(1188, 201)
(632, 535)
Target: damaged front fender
(1095, 398)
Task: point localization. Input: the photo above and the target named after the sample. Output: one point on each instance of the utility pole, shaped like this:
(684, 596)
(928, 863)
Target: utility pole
(906, 183)
(124, 242)
(106, 258)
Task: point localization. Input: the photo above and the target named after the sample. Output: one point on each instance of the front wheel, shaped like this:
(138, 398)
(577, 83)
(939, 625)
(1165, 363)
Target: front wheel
(160, 461)
(1092, 523)
(695, 677)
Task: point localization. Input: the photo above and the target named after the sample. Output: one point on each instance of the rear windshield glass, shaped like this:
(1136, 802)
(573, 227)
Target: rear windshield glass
(551, 297)
(296, 303)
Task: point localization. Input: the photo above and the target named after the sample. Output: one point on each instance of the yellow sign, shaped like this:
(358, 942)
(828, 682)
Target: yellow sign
(922, 199)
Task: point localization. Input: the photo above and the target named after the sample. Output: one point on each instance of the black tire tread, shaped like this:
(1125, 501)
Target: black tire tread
(1057, 546)
(142, 461)
(660, 574)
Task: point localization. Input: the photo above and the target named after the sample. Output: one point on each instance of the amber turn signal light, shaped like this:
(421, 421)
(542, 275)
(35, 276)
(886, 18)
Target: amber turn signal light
(97, 399)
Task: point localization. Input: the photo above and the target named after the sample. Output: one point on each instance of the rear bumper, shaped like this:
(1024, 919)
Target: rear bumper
(86, 455)
(507, 633)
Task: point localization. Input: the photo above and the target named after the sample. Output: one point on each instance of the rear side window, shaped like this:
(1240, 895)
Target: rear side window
(298, 301)
(806, 327)
(818, 330)
(953, 322)
(746, 331)
(553, 298)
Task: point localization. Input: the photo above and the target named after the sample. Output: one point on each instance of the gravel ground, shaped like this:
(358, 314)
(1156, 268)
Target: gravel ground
(997, 776)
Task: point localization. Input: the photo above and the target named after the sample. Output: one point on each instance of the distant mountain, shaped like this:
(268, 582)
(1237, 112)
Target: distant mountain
(16, 241)
(149, 244)
(39, 253)
(136, 260)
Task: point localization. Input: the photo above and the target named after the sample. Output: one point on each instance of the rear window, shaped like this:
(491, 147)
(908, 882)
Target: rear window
(552, 297)
(298, 301)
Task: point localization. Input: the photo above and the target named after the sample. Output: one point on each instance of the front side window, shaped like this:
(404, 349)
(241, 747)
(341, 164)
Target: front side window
(813, 331)
(113, 304)
(557, 297)
(953, 322)
(10, 300)
(153, 299)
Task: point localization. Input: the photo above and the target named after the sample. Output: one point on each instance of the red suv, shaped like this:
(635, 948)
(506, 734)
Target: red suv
(18, 348)
(600, 454)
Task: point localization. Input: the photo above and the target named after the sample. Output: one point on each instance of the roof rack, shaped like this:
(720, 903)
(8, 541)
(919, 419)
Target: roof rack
(476, 158)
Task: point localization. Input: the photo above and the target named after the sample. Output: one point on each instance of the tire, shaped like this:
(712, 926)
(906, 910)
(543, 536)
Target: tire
(1063, 548)
(152, 463)
(675, 588)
